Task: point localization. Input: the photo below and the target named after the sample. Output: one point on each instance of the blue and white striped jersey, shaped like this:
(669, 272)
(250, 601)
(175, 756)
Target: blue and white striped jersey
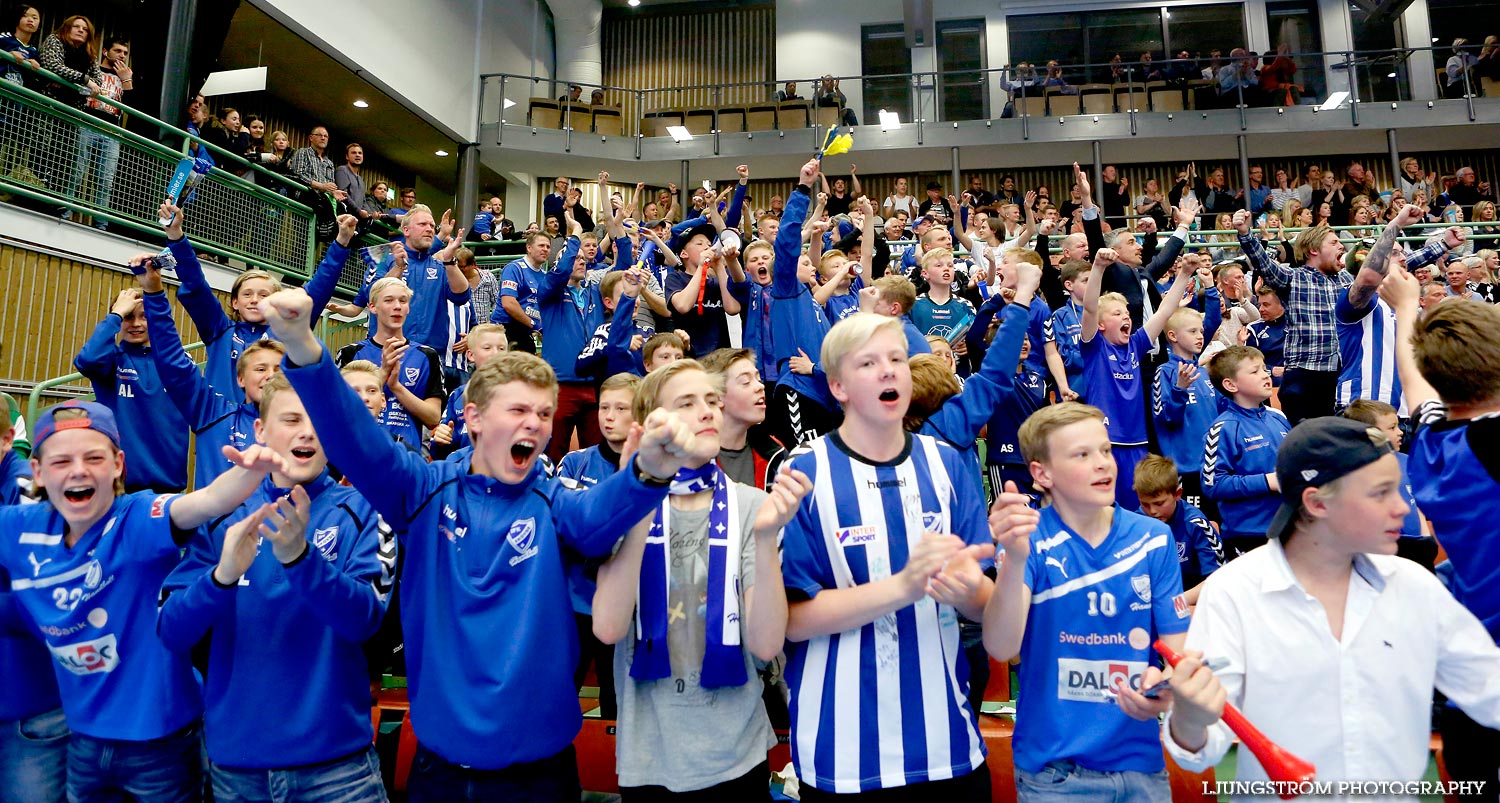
(883, 705)
(1367, 351)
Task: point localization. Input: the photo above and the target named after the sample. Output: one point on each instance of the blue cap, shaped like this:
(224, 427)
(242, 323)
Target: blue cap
(96, 417)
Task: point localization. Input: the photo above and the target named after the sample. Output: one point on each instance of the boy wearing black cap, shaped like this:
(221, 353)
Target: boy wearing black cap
(1333, 644)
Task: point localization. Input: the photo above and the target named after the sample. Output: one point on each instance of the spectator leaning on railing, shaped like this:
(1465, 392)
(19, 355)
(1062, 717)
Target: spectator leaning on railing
(99, 151)
(18, 47)
(311, 165)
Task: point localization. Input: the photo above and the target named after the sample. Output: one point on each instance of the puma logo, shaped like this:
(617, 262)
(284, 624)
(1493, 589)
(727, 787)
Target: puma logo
(36, 568)
(1058, 562)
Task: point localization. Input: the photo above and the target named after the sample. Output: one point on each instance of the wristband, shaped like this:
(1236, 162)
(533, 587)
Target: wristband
(646, 477)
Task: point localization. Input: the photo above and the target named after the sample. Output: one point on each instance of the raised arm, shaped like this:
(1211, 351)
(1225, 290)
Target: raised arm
(1402, 291)
(737, 203)
(391, 477)
(1170, 300)
(194, 295)
(96, 360)
(326, 278)
(1265, 266)
(1088, 324)
(1377, 264)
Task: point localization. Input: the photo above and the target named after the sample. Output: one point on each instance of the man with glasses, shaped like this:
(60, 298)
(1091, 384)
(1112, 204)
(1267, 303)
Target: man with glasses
(311, 165)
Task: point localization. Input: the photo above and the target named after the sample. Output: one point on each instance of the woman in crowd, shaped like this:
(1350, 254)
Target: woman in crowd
(18, 47)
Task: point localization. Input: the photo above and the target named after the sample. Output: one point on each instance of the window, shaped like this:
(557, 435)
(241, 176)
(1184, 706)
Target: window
(1378, 76)
(1095, 37)
(1294, 23)
(883, 52)
(1454, 19)
(960, 53)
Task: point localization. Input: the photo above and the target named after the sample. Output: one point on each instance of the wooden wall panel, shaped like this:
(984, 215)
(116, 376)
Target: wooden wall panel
(709, 48)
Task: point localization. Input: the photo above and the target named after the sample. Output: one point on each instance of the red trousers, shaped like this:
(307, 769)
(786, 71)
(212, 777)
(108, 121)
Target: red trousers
(577, 411)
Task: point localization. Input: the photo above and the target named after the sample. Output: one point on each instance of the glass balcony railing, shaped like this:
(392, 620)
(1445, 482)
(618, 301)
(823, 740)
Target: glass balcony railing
(1021, 93)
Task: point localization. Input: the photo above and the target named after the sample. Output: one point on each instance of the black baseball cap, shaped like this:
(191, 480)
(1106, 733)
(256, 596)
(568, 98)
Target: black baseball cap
(1317, 452)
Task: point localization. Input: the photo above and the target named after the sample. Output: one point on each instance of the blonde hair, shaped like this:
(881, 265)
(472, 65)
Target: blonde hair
(1457, 347)
(1368, 411)
(415, 208)
(621, 381)
(278, 383)
(360, 367)
(1183, 316)
(898, 290)
(385, 283)
(255, 348)
(825, 263)
(1041, 424)
(648, 392)
(933, 383)
(239, 281)
(758, 245)
(1113, 298)
(512, 366)
(483, 329)
(1154, 475)
(934, 255)
(851, 333)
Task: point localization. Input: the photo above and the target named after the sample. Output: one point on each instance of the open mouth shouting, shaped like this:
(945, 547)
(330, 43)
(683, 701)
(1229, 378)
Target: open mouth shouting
(890, 396)
(79, 494)
(522, 452)
(304, 453)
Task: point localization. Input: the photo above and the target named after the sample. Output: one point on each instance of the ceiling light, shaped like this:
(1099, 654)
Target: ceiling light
(442, 153)
(679, 133)
(1435, 40)
(1390, 75)
(633, 3)
(359, 104)
(1334, 101)
(889, 120)
(508, 103)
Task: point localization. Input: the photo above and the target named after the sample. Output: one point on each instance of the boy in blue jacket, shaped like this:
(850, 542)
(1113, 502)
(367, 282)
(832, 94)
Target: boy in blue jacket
(1062, 330)
(800, 407)
(572, 308)
(214, 419)
(298, 576)
(85, 570)
(1185, 405)
(125, 380)
(1113, 357)
(483, 588)
(616, 349)
(1199, 552)
(1239, 451)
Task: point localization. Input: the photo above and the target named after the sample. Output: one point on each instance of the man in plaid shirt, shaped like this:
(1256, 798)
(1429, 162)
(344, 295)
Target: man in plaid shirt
(1311, 291)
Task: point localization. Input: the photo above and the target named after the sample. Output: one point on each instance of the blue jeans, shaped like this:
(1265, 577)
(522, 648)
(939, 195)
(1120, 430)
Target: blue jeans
(34, 758)
(355, 779)
(98, 157)
(554, 779)
(165, 770)
(1064, 781)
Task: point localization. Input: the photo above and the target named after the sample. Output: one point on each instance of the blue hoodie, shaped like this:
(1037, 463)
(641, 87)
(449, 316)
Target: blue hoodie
(30, 687)
(755, 315)
(608, 351)
(1238, 452)
(490, 639)
(585, 468)
(152, 431)
(224, 339)
(310, 617)
(799, 322)
(213, 418)
(958, 421)
(1183, 416)
(571, 314)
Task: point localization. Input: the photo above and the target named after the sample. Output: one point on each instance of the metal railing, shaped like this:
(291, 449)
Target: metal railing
(64, 158)
(1366, 75)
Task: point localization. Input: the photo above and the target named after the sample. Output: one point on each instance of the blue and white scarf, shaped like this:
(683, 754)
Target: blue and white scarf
(723, 657)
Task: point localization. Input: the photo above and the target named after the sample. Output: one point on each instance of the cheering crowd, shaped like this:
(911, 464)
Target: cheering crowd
(913, 461)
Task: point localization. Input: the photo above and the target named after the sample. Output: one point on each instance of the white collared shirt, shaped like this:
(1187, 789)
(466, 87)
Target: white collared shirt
(1359, 708)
